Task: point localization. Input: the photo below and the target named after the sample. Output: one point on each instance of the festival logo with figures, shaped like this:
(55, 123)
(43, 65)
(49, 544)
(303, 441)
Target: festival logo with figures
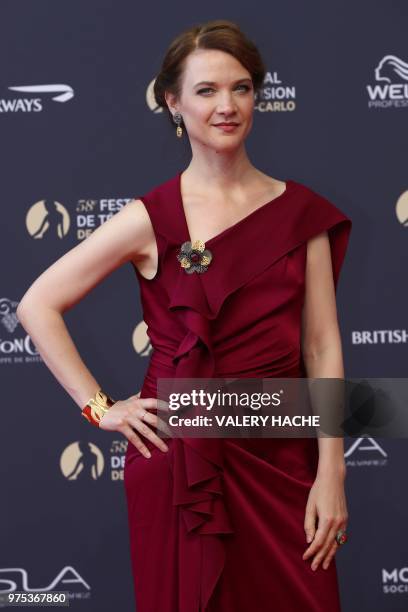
(84, 460)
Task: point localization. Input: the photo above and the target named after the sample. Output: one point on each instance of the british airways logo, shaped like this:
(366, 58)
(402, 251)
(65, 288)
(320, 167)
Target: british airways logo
(31, 103)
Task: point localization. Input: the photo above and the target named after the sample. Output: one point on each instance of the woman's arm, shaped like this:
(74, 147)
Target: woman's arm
(128, 235)
(323, 358)
(321, 340)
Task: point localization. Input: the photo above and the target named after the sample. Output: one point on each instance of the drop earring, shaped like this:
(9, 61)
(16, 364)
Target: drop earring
(177, 119)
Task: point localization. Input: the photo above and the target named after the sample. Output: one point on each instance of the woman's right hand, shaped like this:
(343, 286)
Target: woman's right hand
(127, 415)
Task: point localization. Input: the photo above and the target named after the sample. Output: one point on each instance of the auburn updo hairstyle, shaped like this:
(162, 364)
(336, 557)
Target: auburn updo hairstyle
(218, 34)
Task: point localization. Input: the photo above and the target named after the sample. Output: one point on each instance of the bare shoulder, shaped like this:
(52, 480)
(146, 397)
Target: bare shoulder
(273, 185)
(135, 213)
(280, 186)
(129, 232)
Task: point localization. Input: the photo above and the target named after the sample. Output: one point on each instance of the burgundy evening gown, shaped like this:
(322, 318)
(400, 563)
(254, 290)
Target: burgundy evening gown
(216, 525)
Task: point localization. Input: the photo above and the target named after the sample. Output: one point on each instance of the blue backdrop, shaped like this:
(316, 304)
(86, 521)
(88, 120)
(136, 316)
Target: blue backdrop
(80, 136)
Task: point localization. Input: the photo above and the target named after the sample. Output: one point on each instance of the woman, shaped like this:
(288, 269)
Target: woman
(217, 524)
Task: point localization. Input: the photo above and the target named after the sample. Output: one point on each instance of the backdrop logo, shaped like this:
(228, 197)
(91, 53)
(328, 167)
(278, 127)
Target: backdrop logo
(16, 579)
(82, 461)
(150, 99)
(391, 89)
(379, 336)
(51, 220)
(14, 348)
(118, 458)
(9, 319)
(401, 209)
(395, 581)
(365, 452)
(140, 340)
(275, 96)
(47, 218)
(33, 104)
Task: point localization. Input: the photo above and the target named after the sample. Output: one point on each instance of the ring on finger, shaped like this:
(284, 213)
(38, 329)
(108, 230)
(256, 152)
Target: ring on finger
(143, 415)
(341, 537)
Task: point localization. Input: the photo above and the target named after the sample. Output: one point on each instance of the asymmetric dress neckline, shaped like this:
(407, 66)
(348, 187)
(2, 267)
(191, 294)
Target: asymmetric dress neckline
(251, 216)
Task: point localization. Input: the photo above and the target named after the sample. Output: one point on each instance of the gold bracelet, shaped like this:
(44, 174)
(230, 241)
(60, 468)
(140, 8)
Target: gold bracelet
(97, 406)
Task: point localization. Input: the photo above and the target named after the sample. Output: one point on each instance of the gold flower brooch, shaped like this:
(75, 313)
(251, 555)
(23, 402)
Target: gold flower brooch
(194, 257)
